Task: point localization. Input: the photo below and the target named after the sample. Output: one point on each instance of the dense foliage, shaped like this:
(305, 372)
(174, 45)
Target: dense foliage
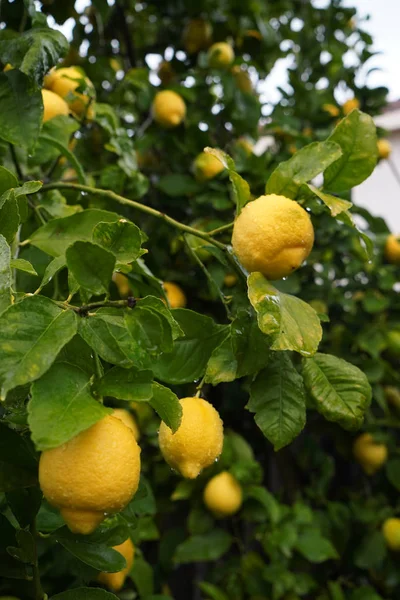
(295, 367)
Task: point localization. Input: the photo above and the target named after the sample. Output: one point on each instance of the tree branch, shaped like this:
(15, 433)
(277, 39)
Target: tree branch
(127, 34)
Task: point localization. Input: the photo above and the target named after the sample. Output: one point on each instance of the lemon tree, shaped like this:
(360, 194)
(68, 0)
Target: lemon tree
(199, 332)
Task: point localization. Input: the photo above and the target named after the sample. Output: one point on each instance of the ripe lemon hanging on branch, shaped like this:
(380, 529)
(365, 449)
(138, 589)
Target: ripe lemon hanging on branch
(272, 235)
(53, 105)
(94, 473)
(223, 495)
(115, 581)
(196, 35)
(128, 419)
(175, 294)
(391, 533)
(168, 109)
(369, 454)
(384, 148)
(350, 105)
(392, 249)
(65, 82)
(198, 441)
(207, 166)
(220, 55)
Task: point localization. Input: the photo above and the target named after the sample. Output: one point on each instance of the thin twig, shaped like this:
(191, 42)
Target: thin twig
(16, 163)
(86, 308)
(221, 229)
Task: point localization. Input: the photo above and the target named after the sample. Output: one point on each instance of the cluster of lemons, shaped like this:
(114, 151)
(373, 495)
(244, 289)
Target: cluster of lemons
(60, 95)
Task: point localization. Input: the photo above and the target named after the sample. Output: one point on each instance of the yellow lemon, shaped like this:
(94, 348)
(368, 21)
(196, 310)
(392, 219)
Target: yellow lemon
(198, 441)
(207, 166)
(392, 395)
(221, 55)
(168, 109)
(122, 283)
(331, 109)
(384, 148)
(246, 145)
(64, 82)
(369, 454)
(273, 235)
(242, 80)
(223, 495)
(196, 35)
(392, 249)
(230, 280)
(175, 295)
(165, 72)
(53, 105)
(350, 105)
(8, 67)
(94, 473)
(391, 533)
(128, 419)
(115, 581)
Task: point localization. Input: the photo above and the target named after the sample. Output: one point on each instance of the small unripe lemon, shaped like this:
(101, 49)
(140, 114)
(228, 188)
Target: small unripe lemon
(242, 80)
(94, 473)
(128, 419)
(223, 495)
(369, 454)
(196, 35)
(122, 283)
(53, 105)
(207, 166)
(220, 55)
(64, 82)
(384, 148)
(230, 280)
(175, 295)
(272, 235)
(168, 109)
(392, 249)
(198, 441)
(350, 105)
(392, 394)
(391, 533)
(331, 109)
(115, 581)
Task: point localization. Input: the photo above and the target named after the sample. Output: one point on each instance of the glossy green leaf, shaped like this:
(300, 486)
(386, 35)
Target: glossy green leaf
(9, 217)
(205, 547)
(126, 384)
(34, 52)
(212, 591)
(188, 359)
(5, 274)
(335, 205)
(222, 365)
(314, 547)
(21, 109)
(62, 406)
(157, 306)
(151, 333)
(341, 391)
(240, 187)
(356, 136)
(23, 265)
(52, 269)
(167, 406)
(91, 266)
(32, 332)
(250, 344)
(108, 335)
(292, 323)
(55, 237)
(277, 398)
(371, 551)
(122, 238)
(306, 164)
(98, 556)
(142, 576)
(85, 593)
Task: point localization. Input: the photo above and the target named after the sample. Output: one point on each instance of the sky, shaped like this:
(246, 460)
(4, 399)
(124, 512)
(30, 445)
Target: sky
(383, 25)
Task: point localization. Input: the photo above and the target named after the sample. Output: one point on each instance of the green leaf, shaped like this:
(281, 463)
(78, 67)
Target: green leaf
(108, 335)
(143, 503)
(267, 500)
(314, 547)
(393, 472)
(157, 306)
(142, 575)
(16, 450)
(91, 266)
(5, 274)
(335, 205)
(55, 237)
(23, 265)
(205, 547)
(122, 238)
(9, 217)
(85, 593)
(32, 332)
(126, 384)
(356, 136)
(250, 344)
(167, 406)
(52, 269)
(62, 406)
(21, 109)
(212, 591)
(277, 398)
(34, 52)
(240, 187)
(371, 552)
(59, 128)
(222, 365)
(306, 164)
(175, 185)
(98, 556)
(12, 477)
(340, 390)
(189, 357)
(292, 323)
(151, 332)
